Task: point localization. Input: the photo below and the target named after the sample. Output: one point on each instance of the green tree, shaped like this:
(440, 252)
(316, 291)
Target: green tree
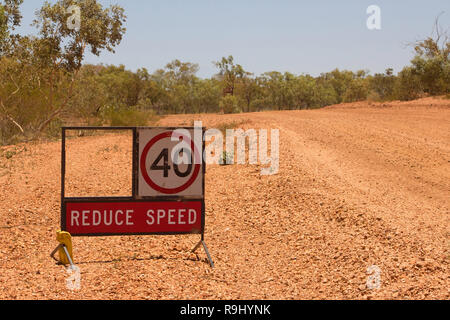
(247, 90)
(10, 18)
(408, 85)
(229, 72)
(151, 94)
(431, 64)
(271, 83)
(357, 89)
(229, 104)
(207, 95)
(340, 80)
(49, 63)
(382, 85)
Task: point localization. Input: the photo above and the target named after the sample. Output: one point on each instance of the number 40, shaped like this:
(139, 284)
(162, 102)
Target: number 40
(164, 155)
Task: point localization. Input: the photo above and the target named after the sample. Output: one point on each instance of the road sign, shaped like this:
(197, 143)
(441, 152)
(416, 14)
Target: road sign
(168, 178)
(170, 163)
(133, 218)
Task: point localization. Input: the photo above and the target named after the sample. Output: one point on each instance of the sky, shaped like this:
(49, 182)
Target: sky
(302, 37)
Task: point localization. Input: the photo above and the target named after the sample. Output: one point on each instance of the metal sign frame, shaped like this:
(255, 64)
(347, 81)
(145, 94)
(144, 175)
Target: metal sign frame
(135, 185)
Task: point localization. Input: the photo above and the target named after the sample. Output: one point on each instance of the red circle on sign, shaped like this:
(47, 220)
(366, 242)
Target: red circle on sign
(147, 178)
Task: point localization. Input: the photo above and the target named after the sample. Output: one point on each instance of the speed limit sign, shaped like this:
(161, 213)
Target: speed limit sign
(170, 162)
(167, 191)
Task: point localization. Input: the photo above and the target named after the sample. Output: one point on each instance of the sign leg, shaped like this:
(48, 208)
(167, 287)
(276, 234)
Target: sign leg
(52, 255)
(68, 256)
(207, 254)
(197, 246)
(65, 251)
(202, 242)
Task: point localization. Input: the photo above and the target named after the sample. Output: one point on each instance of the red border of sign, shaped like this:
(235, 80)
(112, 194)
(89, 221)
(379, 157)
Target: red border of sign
(113, 201)
(147, 178)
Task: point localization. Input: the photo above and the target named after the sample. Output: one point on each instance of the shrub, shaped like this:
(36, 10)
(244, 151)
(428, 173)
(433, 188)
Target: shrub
(129, 117)
(223, 127)
(382, 86)
(258, 105)
(433, 74)
(54, 128)
(408, 86)
(356, 91)
(229, 104)
(226, 159)
(374, 96)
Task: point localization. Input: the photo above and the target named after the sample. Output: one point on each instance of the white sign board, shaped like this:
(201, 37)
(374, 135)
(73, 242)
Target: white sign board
(170, 163)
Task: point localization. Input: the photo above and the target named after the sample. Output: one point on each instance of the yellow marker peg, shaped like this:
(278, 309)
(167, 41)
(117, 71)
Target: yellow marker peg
(65, 239)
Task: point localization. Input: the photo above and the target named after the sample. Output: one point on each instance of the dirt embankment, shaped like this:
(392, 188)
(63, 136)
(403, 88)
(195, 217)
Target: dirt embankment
(359, 185)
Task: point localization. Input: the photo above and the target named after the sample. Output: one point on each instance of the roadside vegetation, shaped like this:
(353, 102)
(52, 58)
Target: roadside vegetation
(44, 83)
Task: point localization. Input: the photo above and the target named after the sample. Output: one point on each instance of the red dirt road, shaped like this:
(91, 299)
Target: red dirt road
(359, 185)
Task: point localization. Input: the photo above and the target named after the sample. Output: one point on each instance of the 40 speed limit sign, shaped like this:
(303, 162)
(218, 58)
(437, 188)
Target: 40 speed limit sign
(167, 192)
(171, 163)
